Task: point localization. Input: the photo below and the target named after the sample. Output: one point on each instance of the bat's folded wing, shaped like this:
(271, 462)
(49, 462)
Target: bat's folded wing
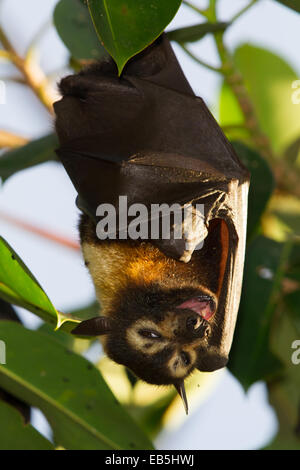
(154, 179)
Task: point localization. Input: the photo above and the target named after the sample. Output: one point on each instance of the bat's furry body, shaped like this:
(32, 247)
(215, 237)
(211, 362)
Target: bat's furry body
(140, 288)
(145, 135)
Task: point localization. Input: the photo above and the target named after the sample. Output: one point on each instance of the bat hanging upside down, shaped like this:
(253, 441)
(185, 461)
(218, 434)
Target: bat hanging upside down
(167, 307)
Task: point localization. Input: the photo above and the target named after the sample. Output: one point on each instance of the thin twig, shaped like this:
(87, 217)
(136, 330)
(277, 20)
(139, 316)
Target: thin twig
(10, 140)
(232, 127)
(19, 80)
(32, 73)
(242, 11)
(4, 55)
(235, 81)
(199, 61)
(286, 177)
(59, 239)
(39, 35)
(193, 7)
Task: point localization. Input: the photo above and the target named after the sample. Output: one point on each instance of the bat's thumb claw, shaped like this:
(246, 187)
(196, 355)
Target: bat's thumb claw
(181, 390)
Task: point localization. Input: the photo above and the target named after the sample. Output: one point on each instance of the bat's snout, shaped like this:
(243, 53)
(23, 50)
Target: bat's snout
(197, 325)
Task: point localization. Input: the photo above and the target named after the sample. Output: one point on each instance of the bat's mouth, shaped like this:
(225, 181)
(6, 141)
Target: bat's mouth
(203, 305)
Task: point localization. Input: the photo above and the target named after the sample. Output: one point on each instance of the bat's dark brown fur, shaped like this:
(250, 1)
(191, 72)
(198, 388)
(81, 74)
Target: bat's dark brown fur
(139, 288)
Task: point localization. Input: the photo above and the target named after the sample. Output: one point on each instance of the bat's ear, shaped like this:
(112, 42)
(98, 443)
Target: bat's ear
(93, 327)
(181, 390)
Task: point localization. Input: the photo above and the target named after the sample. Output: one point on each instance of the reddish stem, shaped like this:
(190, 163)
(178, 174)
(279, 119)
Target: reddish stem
(59, 239)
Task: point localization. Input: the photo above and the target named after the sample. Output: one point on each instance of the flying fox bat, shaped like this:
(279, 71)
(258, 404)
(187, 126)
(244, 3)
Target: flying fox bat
(168, 308)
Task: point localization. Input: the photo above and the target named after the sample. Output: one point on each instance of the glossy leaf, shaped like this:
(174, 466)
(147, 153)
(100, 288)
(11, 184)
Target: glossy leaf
(288, 416)
(292, 303)
(18, 282)
(292, 152)
(231, 117)
(292, 297)
(8, 313)
(261, 184)
(69, 390)
(293, 4)
(284, 393)
(196, 32)
(19, 287)
(289, 216)
(268, 79)
(293, 268)
(75, 28)
(36, 152)
(14, 435)
(126, 28)
(251, 358)
(71, 342)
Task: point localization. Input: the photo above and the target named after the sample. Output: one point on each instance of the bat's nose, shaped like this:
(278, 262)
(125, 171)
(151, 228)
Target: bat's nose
(197, 325)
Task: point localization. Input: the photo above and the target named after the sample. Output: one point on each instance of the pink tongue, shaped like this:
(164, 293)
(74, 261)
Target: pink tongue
(202, 307)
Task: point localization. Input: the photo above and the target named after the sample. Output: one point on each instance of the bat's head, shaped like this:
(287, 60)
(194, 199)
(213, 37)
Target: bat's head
(161, 335)
(160, 317)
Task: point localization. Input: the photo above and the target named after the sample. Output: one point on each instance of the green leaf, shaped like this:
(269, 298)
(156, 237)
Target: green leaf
(18, 282)
(75, 28)
(196, 32)
(71, 342)
(294, 4)
(285, 403)
(231, 117)
(262, 184)
(8, 313)
(292, 303)
(251, 358)
(36, 152)
(14, 435)
(69, 390)
(292, 152)
(19, 287)
(291, 300)
(150, 418)
(268, 79)
(126, 27)
(284, 394)
(293, 268)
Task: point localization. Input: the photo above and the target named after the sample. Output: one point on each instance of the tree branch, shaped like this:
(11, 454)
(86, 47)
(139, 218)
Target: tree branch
(59, 239)
(235, 81)
(5, 55)
(199, 61)
(32, 73)
(242, 11)
(286, 177)
(193, 7)
(10, 140)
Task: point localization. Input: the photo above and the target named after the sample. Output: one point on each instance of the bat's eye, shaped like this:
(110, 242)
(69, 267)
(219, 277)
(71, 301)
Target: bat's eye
(185, 358)
(149, 334)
